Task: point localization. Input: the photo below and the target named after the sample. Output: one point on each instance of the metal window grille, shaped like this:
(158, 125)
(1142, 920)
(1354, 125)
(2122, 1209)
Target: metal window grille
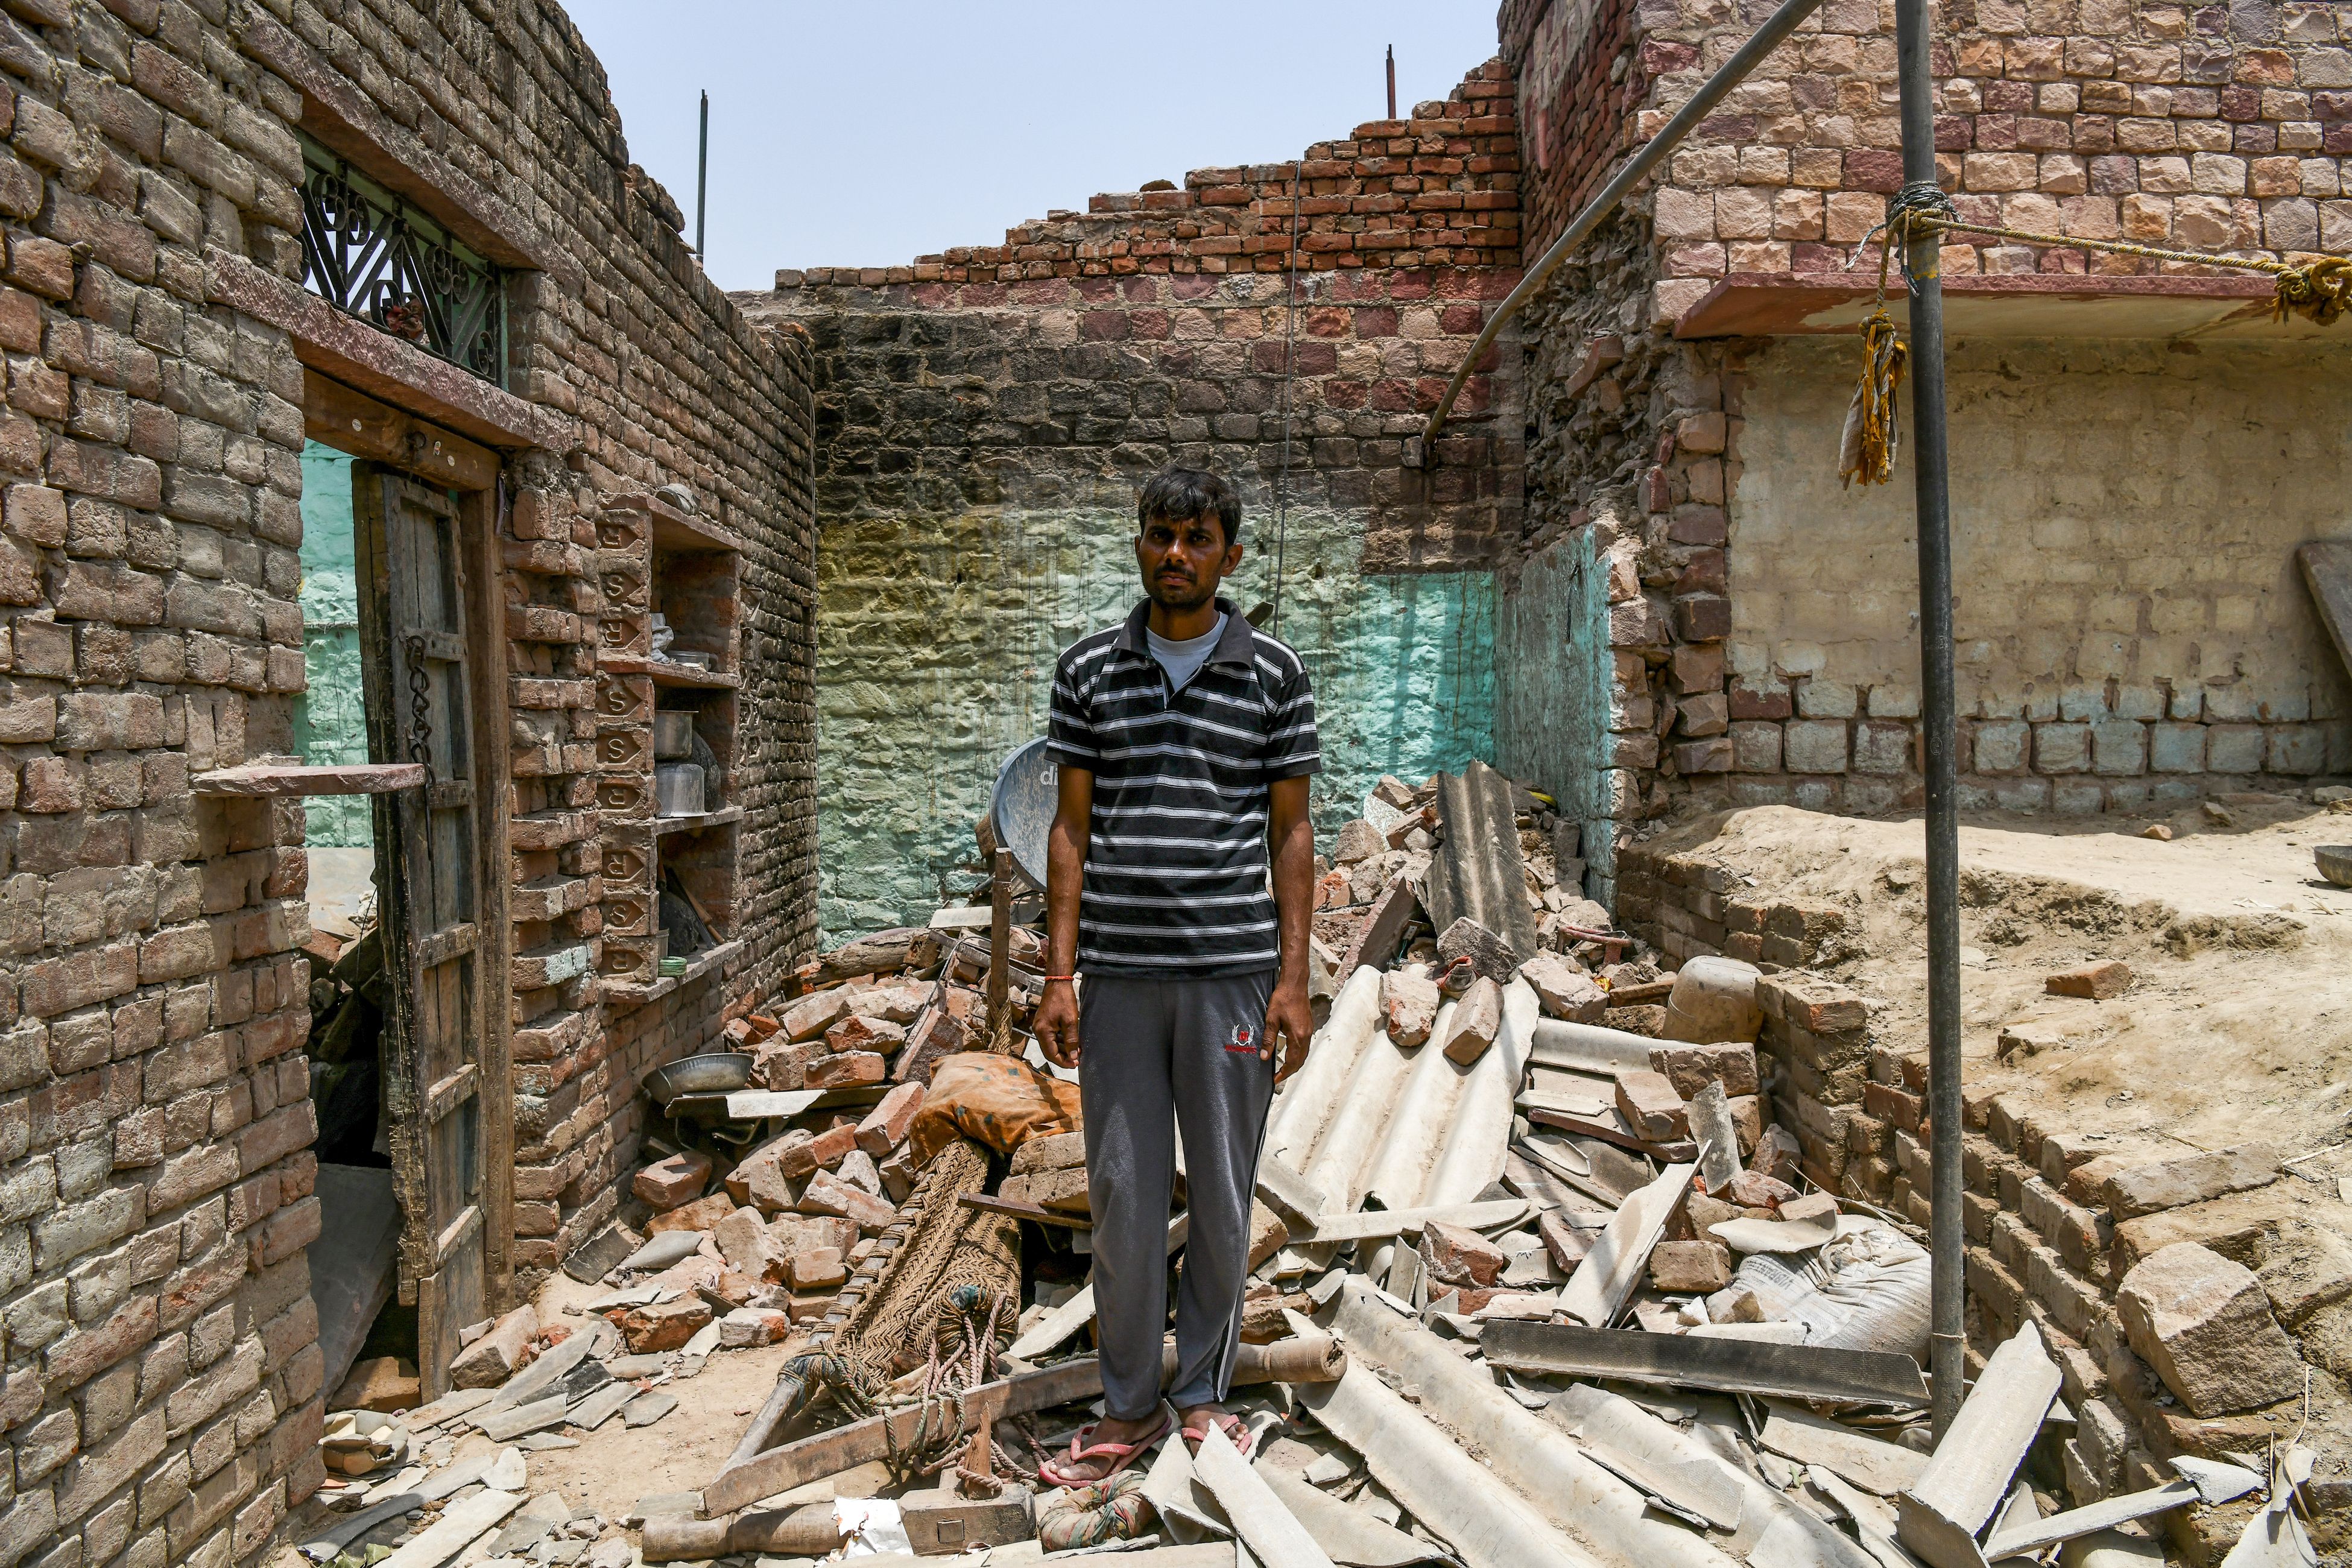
(367, 252)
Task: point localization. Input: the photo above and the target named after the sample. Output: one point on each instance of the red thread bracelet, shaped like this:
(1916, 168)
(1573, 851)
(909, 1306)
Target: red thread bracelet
(1049, 979)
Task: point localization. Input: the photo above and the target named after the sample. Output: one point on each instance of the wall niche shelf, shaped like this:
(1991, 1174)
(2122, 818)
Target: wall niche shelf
(669, 882)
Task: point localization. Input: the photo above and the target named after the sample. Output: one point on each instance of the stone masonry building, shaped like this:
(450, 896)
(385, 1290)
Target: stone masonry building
(1627, 571)
(235, 230)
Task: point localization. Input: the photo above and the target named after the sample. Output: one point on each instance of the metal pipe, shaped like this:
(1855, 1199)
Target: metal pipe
(1765, 39)
(702, 181)
(1392, 82)
(1948, 1340)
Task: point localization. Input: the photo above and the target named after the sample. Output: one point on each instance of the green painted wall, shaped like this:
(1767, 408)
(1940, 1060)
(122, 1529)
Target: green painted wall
(935, 642)
(331, 718)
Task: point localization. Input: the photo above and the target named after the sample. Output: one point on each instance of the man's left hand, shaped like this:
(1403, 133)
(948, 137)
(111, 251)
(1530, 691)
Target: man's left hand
(1289, 1025)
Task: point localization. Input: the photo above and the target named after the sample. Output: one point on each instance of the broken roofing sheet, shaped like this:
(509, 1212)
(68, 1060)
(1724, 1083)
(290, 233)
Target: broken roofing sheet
(1534, 1282)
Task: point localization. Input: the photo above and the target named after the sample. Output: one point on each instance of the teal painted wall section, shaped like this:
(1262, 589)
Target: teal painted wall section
(937, 638)
(1553, 663)
(331, 719)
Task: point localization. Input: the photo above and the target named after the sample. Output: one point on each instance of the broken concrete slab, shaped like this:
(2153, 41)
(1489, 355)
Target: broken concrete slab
(1796, 1433)
(667, 1183)
(1690, 1267)
(1651, 1108)
(1598, 1290)
(1730, 1366)
(2204, 1324)
(499, 1353)
(1967, 1477)
(1468, 943)
(1267, 1527)
(1457, 1256)
(1479, 871)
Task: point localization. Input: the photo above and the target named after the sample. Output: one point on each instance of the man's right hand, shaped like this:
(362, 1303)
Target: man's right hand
(1057, 1027)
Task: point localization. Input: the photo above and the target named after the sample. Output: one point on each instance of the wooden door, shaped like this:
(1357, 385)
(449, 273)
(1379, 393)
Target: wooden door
(419, 710)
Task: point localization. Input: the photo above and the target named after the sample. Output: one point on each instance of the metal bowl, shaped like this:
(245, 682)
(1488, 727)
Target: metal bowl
(1020, 808)
(2335, 863)
(717, 1073)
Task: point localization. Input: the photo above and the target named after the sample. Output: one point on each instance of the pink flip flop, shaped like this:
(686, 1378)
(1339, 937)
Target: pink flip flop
(1124, 1454)
(1237, 1432)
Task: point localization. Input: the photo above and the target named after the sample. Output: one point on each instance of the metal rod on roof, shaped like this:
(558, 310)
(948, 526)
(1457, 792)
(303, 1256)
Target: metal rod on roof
(702, 180)
(1948, 1329)
(1765, 39)
(1392, 82)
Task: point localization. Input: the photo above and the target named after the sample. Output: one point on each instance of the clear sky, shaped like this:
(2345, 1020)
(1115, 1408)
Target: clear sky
(863, 135)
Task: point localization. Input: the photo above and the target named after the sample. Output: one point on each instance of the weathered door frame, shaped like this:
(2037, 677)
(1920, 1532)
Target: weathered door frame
(441, 460)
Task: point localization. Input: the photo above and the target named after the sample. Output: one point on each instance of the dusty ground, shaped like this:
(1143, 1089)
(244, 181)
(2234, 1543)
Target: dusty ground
(2237, 1026)
(616, 1465)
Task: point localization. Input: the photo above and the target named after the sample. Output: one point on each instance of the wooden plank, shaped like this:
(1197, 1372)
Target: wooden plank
(1596, 1292)
(334, 415)
(829, 1453)
(1730, 1366)
(308, 779)
(1259, 1518)
(1366, 1224)
(2104, 1514)
(1032, 1213)
(999, 946)
(2327, 571)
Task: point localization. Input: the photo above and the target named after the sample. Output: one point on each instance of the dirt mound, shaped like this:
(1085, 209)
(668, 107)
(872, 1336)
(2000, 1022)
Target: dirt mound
(2237, 1024)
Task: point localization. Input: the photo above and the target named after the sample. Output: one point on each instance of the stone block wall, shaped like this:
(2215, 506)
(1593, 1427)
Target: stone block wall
(2214, 127)
(1739, 628)
(161, 1394)
(985, 416)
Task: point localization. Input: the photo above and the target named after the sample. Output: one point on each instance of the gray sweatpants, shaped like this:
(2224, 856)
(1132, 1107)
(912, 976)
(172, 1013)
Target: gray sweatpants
(1156, 1055)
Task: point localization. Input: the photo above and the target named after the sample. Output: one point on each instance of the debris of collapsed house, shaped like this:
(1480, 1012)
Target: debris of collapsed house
(1535, 1281)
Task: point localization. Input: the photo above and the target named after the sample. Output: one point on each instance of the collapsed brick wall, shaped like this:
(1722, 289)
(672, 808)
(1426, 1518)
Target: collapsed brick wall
(985, 414)
(2162, 123)
(162, 1389)
(2053, 1219)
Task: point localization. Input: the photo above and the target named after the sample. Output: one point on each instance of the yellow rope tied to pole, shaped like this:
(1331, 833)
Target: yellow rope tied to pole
(2320, 290)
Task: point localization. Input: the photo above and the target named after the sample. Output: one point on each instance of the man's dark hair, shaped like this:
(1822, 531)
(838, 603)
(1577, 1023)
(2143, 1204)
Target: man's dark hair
(1179, 495)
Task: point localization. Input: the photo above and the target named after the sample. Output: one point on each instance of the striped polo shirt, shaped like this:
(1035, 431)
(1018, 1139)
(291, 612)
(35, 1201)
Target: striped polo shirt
(1176, 850)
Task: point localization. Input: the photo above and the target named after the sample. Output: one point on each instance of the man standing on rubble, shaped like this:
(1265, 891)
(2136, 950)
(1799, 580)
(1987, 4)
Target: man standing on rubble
(1183, 737)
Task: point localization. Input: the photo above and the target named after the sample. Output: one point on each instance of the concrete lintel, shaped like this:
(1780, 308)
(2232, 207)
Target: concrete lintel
(360, 356)
(2027, 305)
(343, 118)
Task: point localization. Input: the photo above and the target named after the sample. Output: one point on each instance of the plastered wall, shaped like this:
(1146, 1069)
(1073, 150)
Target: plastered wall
(935, 656)
(2129, 610)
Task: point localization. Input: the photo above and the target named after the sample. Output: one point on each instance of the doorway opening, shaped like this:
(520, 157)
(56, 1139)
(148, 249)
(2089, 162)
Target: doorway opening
(396, 579)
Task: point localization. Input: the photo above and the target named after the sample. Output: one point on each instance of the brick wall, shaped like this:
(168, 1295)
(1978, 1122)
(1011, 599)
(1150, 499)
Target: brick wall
(162, 1389)
(2055, 1218)
(2209, 127)
(985, 414)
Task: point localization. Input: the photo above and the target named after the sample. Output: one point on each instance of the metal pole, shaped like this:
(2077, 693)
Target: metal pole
(1392, 82)
(702, 180)
(1947, 1342)
(1762, 42)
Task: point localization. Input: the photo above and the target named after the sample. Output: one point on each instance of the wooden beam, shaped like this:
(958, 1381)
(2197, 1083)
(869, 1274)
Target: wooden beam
(1318, 1359)
(336, 416)
(305, 779)
(1034, 1213)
